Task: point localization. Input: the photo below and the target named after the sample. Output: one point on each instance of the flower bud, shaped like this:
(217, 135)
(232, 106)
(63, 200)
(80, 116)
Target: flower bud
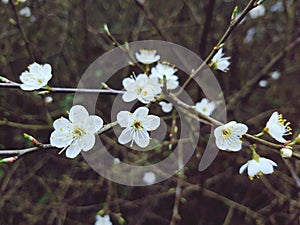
(297, 140)
(286, 152)
(9, 159)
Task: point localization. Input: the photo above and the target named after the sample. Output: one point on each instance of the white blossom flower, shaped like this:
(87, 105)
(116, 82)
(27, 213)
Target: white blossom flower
(278, 127)
(137, 125)
(205, 107)
(25, 12)
(36, 78)
(77, 133)
(149, 178)
(166, 107)
(165, 69)
(103, 220)
(228, 136)
(146, 56)
(263, 83)
(143, 88)
(219, 62)
(275, 75)
(258, 11)
(286, 152)
(258, 166)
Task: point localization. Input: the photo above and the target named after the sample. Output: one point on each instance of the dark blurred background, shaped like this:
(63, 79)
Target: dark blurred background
(44, 188)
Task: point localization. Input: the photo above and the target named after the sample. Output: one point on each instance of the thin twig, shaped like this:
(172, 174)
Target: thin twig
(248, 86)
(20, 27)
(225, 36)
(215, 122)
(40, 146)
(59, 89)
(150, 18)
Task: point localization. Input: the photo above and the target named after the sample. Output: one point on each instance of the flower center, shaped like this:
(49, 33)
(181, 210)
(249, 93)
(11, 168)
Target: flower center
(139, 90)
(78, 132)
(226, 133)
(137, 125)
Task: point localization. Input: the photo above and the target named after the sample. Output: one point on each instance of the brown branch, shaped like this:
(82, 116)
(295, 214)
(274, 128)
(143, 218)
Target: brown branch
(225, 36)
(150, 18)
(248, 86)
(20, 27)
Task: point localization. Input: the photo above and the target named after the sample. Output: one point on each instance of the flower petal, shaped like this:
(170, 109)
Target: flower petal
(243, 168)
(46, 73)
(60, 139)
(129, 96)
(123, 118)
(142, 138)
(63, 124)
(93, 124)
(151, 122)
(78, 114)
(86, 142)
(126, 136)
(234, 144)
(253, 168)
(140, 113)
(73, 150)
(128, 83)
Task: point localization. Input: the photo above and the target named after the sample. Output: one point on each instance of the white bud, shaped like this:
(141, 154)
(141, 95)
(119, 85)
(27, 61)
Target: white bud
(286, 152)
(48, 99)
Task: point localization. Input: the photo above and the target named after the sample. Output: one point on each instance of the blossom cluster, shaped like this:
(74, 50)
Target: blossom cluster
(229, 137)
(78, 132)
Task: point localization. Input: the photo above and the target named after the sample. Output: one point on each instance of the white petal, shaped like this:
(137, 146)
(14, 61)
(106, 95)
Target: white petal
(140, 113)
(34, 68)
(266, 168)
(86, 142)
(223, 65)
(60, 139)
(47, 72)
(63, 124)
(273, 119)
(151, 122)
(73, 150)
(129, 96)
(128, 83)
(172, 84)
(253, 168)
(78, 114)
(243, 168)
(123, 118)
(235, 144)
(240, 129)
(166, 107)
(218, 55)
(279, 139)
(93, 124)
(125, 136)
(142, 79)
(27, 87)
(221, 143)
(142, 138)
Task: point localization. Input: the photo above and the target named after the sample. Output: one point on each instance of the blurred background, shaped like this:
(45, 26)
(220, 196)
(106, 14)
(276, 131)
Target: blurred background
(46, 188)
